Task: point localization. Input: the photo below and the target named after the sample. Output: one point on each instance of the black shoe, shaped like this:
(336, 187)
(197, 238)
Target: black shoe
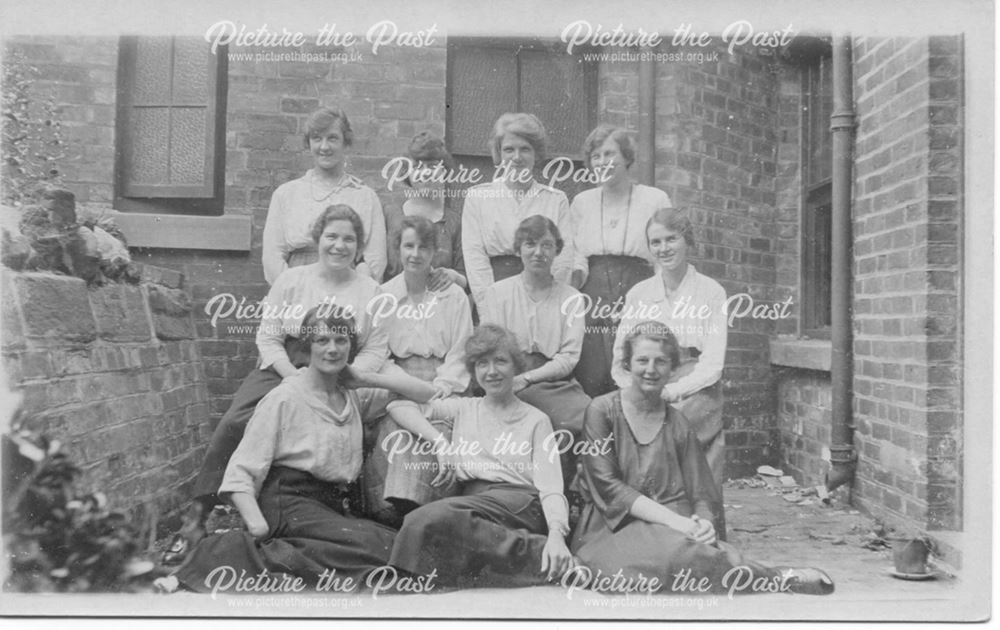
(807, 581)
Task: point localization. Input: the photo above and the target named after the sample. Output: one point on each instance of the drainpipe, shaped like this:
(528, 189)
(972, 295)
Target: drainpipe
(647, 117)
(842, 123)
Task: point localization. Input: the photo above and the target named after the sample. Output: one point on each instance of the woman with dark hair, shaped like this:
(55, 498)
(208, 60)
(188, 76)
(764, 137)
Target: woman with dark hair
(427, 198)
(290, 477)
(508, 524)
(533, 305)
(296, 204)
(609, 246)
(427, 330)
(493, 211)
(693, 306)
(651, 496)
(335, 285)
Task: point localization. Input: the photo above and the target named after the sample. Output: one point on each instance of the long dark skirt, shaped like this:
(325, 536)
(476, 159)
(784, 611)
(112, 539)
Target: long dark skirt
(506, 266)
(311, 532)
(492, 535)
(229, 431)
(609, 278)
(398, 486)
(642, 550)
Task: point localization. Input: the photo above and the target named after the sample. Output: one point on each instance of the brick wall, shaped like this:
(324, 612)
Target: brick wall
(114, 373)
(804, 420)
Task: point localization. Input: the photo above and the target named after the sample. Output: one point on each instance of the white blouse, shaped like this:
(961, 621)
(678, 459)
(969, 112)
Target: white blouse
(597, 232)
(437, 327)
(296, 205)
(490, 218)
(682, 312)
(549, 326)
(299, 289)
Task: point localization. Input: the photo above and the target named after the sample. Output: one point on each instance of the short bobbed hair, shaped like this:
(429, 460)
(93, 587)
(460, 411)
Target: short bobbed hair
(324, 118)
(654, 331)
(534, 228)
(339, 212)
(621, 137)
(523, 125)
(676, 219)
(427, 234)
(335, 321)
(488, 339)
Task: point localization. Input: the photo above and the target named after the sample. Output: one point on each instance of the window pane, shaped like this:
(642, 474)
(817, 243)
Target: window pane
(187, 146)
(552, 88)
(819, 102)
(150, 131)
(484, 85)
(152, 71)
(190, 71)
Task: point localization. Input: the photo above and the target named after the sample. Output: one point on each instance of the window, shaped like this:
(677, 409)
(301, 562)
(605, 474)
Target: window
(170, 126)
(488, 77)
(817, 159)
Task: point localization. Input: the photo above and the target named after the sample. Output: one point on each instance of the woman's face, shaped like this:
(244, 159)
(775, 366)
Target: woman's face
(327, 147)
(649, 367)
(538, 254)
(329, 350)
(428, 178)
(338, 244)
(667, 246)
(607, 160)
(518, 154)
(495, 373)
(414, 255)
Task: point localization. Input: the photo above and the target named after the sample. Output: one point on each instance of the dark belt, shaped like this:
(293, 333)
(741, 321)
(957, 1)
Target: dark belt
(689, 352)
(505, 266)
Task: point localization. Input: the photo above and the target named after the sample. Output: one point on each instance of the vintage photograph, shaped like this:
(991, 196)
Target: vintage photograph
(567, 311)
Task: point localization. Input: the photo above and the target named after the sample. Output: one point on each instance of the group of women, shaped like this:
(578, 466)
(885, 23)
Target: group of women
(382, 429)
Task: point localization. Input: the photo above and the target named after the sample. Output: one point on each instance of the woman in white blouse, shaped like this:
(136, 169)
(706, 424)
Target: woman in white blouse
(534, 305)
(287, 240)
(292, 474)
(693, 306)
(427, 331)
(335, 286)
(494, 210)
(609, 247)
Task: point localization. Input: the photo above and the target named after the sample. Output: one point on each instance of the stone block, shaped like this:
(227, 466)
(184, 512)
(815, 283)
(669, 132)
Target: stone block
(55, 307)
(119, 311)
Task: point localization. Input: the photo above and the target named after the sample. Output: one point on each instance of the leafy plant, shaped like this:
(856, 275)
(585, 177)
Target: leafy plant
(32, 141)
(56, 539)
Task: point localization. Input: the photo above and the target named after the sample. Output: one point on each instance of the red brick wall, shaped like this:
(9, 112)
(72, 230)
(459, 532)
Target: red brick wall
(115, 374)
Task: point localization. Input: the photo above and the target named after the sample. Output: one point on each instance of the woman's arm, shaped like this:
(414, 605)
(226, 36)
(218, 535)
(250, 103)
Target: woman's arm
(452, 374)
(271, 332)
(375, 247)
(708, 370)
(563, 362)
(580, 266)
(396, 381)
(562, 266)
(246, 505)
(274, 248)
(477, 264)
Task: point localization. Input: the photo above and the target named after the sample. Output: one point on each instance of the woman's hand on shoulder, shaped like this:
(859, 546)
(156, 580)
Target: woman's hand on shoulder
(352, 378)
(442, 278)
(701, 530)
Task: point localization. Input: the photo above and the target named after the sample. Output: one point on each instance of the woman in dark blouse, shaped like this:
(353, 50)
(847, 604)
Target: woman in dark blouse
(651, 496)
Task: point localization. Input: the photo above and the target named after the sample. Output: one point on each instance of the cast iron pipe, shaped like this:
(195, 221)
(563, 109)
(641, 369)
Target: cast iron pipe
(647, 119)
(842, 123)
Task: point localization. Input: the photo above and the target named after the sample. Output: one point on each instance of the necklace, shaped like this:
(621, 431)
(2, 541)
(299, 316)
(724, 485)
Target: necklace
(613, 223)
(312, 187)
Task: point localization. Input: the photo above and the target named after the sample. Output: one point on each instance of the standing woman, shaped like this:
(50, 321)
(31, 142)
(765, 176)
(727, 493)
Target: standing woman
(431, 164)
(693, 306)
(296, 204)
(651, 497)
(494, 210)
(532, 305)
(609, 246)
(334, 285)
(427, 330)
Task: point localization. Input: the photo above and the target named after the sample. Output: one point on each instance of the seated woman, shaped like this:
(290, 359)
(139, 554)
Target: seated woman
(290, 476)
(650, 491)
(533, 305)
(508, 525)
(428, 199)
(427, 330)
(331, 282)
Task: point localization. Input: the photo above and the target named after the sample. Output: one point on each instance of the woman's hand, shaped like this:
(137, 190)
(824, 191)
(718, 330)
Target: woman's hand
(445, 461)
(701, 530)
(352, 378)
(441, 392)
(257, 527)
(442, 278)
(556, 558)
(519, 383)
(669, 395)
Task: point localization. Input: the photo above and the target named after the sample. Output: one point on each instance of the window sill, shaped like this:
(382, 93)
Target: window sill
(808, 354)
(177, 231)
